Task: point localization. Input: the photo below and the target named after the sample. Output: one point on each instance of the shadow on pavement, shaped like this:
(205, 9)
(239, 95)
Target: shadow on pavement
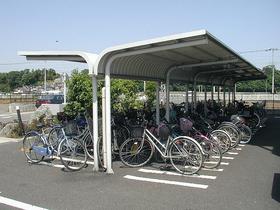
(268, 138)
(275, 193)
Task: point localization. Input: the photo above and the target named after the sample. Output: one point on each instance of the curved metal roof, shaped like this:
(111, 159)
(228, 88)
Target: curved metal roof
(73, 56)
(195, 55)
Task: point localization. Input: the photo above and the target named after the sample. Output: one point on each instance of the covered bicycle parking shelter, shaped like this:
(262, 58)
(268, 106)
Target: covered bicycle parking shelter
(194, 58)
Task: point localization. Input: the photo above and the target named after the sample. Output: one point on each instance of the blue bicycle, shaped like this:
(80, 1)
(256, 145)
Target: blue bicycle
(54, 144)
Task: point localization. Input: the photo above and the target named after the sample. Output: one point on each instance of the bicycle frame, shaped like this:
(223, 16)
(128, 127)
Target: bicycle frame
(164, 148)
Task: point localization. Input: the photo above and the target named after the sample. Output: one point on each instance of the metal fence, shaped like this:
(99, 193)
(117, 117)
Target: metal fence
(273, 101)
(14, 98)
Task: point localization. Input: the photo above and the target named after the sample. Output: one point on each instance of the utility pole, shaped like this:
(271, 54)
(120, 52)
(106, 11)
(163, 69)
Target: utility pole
(45, 79)
(273, 72)
(273, 68)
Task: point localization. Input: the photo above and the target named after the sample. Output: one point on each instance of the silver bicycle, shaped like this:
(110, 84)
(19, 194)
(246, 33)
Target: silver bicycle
(184, 152)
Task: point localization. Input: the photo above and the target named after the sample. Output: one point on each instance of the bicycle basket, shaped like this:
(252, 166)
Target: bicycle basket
(163, 132)
(185, 125)
(136, 131)
(71, 128)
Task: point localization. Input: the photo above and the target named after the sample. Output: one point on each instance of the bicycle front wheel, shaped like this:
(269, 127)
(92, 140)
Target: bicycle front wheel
(72, 154)
(185, 155)
(31, 140)
(136, 152)
(88, 142)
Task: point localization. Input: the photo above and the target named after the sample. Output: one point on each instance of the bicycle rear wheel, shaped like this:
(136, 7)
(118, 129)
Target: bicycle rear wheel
(185, 155)
(222, 138)
(30, 140)
(136, 152)
(212, 154)
(233, 132)
(72, 154)
(246, 134)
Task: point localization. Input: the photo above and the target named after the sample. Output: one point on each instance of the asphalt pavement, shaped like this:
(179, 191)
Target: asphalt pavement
(249, 178)
(10, 117)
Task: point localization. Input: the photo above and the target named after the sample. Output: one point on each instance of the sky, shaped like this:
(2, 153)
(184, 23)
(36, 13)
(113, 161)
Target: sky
(92, 26)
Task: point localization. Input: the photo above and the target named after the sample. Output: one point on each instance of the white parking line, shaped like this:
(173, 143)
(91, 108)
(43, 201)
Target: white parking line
(18, 204)
(232, 153)
(241, 145)
(176, 174)
(238, 148)
(224, 157)
(212, 169)
(51, 164)
(162, 181)
(222, 163)
(69, 159)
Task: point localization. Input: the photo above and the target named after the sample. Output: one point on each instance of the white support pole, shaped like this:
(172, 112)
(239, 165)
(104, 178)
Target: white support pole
(192, 102)
(108, 116)
(95, 121)
(157, 103)
(187, 98)
(194, 95)
(64, 88)
(224, 95)
(167, 96)
(103, 130)
(234, 92)
(219, 89)
(212, 92)
(205, 100)
(228, 94)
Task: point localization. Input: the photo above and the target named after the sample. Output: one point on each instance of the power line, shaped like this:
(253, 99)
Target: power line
(262, 50)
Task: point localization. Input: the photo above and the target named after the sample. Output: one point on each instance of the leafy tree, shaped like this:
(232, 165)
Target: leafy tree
(14, 79)
(124, 95)
(151, 93)
(79, 94)
(261, 85)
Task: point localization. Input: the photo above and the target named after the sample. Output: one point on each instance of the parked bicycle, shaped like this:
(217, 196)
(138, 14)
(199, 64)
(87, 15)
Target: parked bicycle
(37, 146)
(184, 153)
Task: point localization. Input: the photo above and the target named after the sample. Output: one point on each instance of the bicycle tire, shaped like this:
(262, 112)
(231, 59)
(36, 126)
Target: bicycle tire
(140, 150)
(185, 155)
(88, 143)
(32, 139)
(212, 154)
(74, 155)
(222, 138)
(233, 132)
(55, 136)
(100, 152)
(246, 134)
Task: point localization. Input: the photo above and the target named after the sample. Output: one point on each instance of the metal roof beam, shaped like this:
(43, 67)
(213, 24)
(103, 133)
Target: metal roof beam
(184, 55)
(206, 52)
